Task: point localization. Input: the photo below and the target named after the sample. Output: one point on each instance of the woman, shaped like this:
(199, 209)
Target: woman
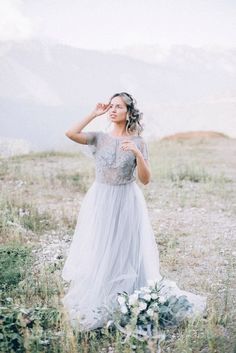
(113, 247)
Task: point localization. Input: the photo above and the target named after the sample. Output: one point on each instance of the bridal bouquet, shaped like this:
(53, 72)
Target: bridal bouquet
(149, 309)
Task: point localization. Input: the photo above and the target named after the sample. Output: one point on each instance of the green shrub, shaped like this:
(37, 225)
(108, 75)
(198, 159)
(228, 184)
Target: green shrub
(27, 329)
(14, 260)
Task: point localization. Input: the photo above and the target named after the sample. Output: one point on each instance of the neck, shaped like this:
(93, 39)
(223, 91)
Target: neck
(119, 130)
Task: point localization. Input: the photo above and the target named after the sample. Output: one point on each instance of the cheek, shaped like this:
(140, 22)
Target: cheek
(122, 112)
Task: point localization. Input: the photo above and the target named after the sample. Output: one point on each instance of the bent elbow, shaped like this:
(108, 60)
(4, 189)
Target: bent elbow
(147, 179)
(145, 182)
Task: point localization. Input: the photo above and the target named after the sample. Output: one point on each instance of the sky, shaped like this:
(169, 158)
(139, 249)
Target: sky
(115, 24)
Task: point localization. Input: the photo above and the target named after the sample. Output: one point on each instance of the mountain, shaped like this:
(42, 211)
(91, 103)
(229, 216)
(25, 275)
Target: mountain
(45, 87)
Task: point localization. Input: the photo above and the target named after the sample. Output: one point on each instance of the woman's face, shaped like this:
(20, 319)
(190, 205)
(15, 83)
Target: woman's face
(117, 110)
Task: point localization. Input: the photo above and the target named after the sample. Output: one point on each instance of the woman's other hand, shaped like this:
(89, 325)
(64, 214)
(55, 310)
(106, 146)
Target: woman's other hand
(144, 170)
(128, 145)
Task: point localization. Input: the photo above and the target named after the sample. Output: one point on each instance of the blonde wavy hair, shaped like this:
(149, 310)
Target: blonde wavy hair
(134, 116)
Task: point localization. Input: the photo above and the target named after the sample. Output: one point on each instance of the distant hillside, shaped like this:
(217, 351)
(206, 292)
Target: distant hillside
(188, 135)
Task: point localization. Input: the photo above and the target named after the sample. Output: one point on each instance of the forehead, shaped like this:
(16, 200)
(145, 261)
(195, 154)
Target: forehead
(117, 100)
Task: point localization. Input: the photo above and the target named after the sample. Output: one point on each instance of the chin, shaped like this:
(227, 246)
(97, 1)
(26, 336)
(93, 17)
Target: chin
(117, 118)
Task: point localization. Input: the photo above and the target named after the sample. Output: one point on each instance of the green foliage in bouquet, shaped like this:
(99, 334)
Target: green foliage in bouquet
(148, 310)
(174, 310)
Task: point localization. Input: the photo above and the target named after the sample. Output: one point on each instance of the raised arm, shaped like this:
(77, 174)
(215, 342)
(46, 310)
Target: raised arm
(75, 132)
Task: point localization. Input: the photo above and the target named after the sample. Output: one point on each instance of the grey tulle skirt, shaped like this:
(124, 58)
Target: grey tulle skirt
(113, 250)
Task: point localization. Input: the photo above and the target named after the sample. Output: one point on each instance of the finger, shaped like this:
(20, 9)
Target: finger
(127, 143)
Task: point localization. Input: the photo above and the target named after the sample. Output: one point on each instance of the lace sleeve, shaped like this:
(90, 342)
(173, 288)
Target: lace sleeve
(89, 149)
(91, 137)
(144, 149)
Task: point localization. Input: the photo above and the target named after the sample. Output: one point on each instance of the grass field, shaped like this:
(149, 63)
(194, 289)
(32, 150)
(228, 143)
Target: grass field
(192, 206)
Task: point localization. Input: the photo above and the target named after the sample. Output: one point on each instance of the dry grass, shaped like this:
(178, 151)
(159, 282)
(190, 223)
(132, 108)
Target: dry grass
(192, 206)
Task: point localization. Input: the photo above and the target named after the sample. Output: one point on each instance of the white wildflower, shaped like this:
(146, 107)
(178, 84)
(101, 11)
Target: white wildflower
(162, 299)
(23, 212)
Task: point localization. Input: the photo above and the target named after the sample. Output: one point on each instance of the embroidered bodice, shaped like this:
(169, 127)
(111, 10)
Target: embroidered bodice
(112, 164)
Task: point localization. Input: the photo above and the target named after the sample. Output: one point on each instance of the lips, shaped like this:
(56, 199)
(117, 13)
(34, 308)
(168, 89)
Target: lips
(112, 115)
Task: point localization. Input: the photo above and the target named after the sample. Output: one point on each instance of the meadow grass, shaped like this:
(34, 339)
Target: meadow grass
(191, 204)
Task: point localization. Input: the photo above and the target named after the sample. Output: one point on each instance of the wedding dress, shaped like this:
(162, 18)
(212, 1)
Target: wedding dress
(113, 248)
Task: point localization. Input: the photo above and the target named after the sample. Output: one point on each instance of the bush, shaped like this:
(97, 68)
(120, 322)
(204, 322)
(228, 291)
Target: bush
(25, 329)
(14, 260)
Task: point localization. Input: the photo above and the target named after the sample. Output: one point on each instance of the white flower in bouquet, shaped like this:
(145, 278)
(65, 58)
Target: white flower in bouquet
(124, 309)
(136, 310)
(133, 299)
(150, 312)
(145, 289)
(154, 296)
(121, 299)
(147, 297)
(147, 309)
(142, 306)
(137, 291)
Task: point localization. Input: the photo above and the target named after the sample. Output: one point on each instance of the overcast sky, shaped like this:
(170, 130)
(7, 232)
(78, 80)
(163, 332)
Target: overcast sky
(108, 24)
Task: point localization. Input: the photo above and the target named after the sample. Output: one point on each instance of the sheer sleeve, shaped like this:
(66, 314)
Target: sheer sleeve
(89, 149)
(144, 149)
(91, 137)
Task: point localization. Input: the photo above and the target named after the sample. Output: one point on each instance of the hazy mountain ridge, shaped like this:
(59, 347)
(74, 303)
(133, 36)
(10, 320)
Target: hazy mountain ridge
(177, 55)
(46, 86)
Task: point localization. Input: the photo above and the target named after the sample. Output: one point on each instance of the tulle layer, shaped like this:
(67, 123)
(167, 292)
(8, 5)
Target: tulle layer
(113, 250)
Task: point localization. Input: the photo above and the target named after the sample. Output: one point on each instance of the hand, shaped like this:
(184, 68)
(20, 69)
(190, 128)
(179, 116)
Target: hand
(128, 145)
(101, 108)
